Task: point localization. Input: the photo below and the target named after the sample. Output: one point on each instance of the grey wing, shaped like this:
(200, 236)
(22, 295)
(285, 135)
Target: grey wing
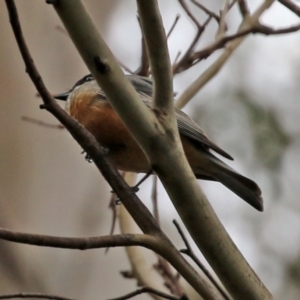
(191, 129)
(143, 85)
(186, 125)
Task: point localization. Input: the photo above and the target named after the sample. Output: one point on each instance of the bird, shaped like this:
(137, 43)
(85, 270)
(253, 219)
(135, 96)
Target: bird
(87, 103)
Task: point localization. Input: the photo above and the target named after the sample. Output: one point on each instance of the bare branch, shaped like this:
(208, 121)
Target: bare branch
(189, 251)
(118, 240)
(143, 69)
(263, 29)
(183, 63)
(150, 291)
(244, 9)
(125, 68)
(34, 295)
(206, 10)
(190, 15)
(154, 199)
(223, 41)
(173, 26)
(291, 6)
(112, 206)
(171, 280)
(222, 24)
(158, 52)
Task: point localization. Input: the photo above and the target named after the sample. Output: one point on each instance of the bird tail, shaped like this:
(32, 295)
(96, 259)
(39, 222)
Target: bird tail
(242, 186)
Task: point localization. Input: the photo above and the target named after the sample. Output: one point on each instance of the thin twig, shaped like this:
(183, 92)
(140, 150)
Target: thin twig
(150, 291)
(171, 280)
(291, 6)
(176, 60)
(34, 295)
(144, 68)
(162, 266)
(62, 30)
(189, 13)
(173, 26)
(183, 62)
(206, 10)
(125, 67)
(222, 24)
(112, 205)
(222, 42)
(189, 251)
(154, 199)
(263, 29)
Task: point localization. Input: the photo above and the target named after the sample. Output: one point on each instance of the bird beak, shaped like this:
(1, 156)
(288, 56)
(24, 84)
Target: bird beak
(62, 96)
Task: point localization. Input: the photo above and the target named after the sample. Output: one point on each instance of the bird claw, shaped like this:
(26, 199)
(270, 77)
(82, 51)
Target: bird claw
(135, 189)
(104, 151)
(87, 157)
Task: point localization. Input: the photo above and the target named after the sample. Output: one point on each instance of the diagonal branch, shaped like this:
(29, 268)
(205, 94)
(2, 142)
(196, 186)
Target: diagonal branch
(206, 10)
(156, 42)
(189, 251)
(143, 69)
(291, 6)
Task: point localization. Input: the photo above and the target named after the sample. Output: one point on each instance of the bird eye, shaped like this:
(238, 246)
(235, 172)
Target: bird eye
(89, 78)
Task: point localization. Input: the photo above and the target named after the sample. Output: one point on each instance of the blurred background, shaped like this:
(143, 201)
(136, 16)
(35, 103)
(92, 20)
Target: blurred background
(251, 109)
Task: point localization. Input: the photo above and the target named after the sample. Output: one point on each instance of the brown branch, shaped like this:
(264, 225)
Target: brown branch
(189, 251)
(173, 26)
(222, 42)
(291, 6)
(150, 291)
(189, 13)
(34, 295)
(112, 206)
(243, 7)
(144, 68)
(263, 29)
(222, 24)
(158, 52)
(171, 280)
(62, 30)
(86, 243)
(154, 199)
(206, 10)
(183, 62)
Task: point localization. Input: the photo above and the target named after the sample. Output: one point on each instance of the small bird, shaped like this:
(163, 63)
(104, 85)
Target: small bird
(87, 103)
